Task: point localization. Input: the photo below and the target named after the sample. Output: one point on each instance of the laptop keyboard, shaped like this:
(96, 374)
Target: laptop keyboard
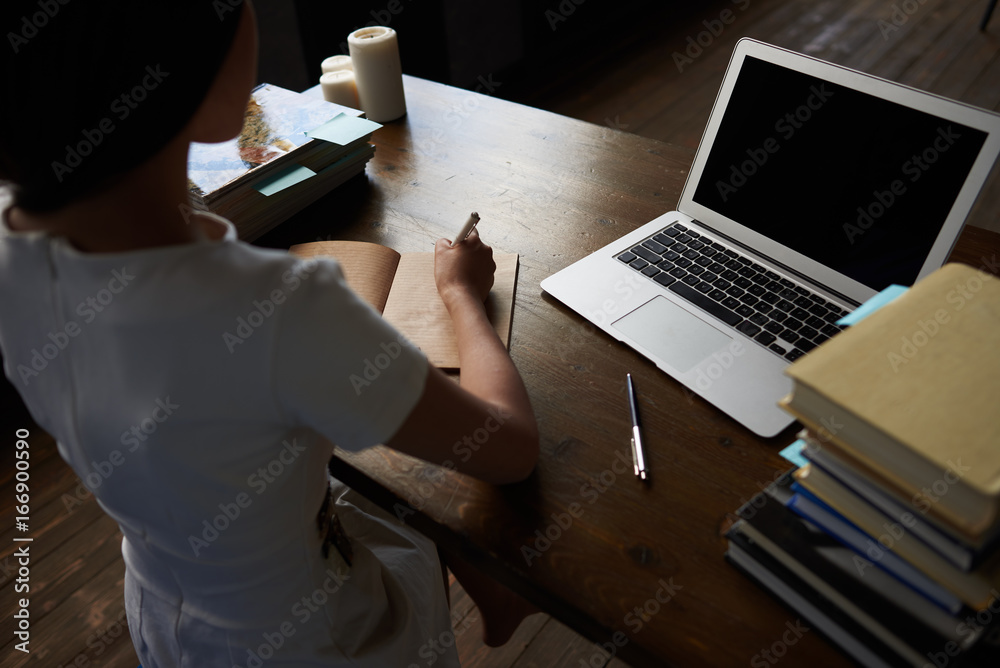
(784, 317)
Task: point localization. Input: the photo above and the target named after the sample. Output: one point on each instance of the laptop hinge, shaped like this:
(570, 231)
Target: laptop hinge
(784, 267)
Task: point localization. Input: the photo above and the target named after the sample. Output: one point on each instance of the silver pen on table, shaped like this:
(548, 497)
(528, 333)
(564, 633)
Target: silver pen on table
(638, 456)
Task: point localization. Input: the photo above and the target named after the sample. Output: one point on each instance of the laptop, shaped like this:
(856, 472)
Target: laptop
(814, 187)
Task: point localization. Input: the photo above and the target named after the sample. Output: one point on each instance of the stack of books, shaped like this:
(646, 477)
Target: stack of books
(887, 537)
(293, 149)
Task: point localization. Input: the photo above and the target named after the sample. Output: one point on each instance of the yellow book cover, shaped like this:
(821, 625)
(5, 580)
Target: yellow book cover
(912, 393)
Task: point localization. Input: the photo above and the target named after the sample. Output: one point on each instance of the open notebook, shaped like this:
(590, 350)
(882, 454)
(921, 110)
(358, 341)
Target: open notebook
(401, 287)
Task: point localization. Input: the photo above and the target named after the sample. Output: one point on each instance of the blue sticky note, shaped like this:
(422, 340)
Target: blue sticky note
(343, 129)
(872, 305)
(793, 453)
(284, 179)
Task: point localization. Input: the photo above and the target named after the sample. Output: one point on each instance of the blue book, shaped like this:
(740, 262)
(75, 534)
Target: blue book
(876, 603)
(911, 516)
(835, 524)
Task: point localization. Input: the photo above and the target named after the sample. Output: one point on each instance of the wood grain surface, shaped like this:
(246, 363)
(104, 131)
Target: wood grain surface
(581, 538)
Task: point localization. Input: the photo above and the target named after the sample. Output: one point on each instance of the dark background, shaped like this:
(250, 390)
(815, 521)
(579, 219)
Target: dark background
(519, 50)
(528, 45)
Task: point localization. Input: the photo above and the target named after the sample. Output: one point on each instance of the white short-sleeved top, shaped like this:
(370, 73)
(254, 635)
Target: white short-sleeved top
(187, 386)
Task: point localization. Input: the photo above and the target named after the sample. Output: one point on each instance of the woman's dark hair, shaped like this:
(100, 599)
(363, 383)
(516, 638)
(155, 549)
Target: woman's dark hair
(92, 89)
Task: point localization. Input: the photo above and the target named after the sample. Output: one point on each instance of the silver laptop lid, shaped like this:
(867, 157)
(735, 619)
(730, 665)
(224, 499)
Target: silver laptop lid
(852, 181)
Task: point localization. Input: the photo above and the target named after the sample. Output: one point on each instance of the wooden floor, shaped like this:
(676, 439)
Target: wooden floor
(77, 575)
(76, 566)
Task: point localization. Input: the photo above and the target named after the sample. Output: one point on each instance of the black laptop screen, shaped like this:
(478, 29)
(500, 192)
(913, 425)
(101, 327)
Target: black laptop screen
(857, 183)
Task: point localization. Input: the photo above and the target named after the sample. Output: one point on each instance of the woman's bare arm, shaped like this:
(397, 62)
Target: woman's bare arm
(486, 426)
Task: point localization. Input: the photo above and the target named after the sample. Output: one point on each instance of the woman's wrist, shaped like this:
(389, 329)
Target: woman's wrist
(460, 297)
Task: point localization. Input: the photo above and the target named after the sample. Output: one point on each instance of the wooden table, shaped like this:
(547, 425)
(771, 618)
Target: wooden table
(638, 566)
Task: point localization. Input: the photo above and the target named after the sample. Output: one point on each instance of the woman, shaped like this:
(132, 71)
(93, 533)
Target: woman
(238, 548)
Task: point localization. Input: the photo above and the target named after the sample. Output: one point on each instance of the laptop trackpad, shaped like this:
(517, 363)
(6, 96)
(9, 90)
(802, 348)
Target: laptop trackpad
(669, 332)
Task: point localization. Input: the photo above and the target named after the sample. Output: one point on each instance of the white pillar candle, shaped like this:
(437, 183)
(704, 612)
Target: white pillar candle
(334, 63)
(338, 86)
(378, 73)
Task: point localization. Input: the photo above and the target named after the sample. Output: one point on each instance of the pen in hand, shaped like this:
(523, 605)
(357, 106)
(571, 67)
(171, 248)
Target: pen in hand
(467, 228)
(638, 456)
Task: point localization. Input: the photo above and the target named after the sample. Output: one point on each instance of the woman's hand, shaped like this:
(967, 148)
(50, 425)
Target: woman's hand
(463, 270)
